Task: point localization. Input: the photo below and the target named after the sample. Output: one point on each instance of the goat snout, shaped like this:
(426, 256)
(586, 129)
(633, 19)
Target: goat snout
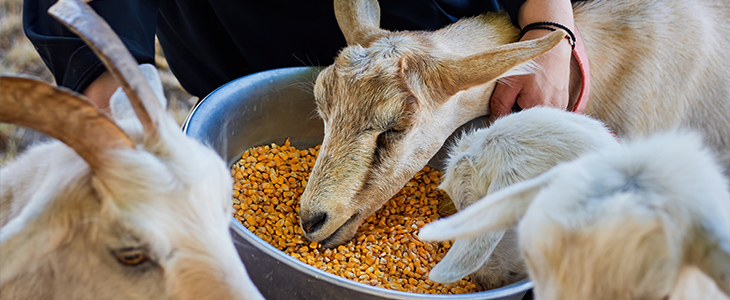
(314, 222)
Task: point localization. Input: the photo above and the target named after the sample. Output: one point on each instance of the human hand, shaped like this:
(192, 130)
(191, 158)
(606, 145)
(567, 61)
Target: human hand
(547, 86)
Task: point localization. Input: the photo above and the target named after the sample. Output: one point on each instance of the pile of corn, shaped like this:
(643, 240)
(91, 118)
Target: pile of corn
(268, 181)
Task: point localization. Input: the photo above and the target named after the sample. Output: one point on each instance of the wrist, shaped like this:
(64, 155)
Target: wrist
(558, 11)
(563, 47)
(549, 27)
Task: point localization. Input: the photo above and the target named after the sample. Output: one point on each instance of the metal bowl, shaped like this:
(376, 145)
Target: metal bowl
(269, 107)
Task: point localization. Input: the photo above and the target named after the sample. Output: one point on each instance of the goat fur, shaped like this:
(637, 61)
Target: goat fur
(62, 222)
(516, 147)
(629, 222)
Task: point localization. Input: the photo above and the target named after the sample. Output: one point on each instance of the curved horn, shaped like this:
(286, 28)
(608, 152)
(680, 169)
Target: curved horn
(87, 24)
(62, 114)
(359, 20)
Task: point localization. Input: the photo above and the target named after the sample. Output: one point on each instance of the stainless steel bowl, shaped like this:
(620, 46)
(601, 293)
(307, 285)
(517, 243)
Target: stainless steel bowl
(269, 107)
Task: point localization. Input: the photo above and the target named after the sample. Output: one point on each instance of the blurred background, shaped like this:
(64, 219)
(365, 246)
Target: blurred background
(17, 55)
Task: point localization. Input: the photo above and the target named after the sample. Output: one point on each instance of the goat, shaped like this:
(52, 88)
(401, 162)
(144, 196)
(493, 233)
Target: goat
(127, 210)
(516, 147)
(391, 99)
(626, 222)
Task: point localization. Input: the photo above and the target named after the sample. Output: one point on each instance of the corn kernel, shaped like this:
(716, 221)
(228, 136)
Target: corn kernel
(386, 252)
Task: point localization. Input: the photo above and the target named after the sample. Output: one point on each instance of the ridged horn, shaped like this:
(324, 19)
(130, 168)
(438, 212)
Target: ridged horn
(87, 24)
(62, 114)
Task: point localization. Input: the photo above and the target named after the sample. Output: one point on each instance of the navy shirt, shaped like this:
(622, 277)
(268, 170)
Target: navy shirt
(209, 43)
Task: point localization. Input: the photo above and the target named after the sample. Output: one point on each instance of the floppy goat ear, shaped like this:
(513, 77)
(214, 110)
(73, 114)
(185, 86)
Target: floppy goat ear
(465, 256)
(359, 20)
(709, 250)
(498, 211)
(494, 63)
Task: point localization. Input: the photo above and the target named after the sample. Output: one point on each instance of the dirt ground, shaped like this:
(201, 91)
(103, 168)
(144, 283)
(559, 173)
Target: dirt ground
(17, 55)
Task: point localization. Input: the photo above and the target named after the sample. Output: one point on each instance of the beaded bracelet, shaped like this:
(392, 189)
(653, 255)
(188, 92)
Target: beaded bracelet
(545, 26)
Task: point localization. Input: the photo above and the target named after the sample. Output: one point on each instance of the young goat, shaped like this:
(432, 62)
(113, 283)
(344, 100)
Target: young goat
(391, 99)
(629, 222)
(515, 148)
(136, 210)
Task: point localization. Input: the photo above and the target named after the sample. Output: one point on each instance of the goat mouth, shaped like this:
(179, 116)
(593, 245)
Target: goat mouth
(332, 240)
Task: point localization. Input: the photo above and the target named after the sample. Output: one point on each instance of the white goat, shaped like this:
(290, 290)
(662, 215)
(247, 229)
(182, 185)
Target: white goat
(137, 212)
(517, 147)
(631, 222)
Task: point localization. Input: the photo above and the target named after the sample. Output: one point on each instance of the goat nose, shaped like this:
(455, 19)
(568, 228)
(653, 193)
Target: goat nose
(314, 223)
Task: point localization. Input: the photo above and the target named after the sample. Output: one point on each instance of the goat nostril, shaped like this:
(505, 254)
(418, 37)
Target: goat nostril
(314, 223)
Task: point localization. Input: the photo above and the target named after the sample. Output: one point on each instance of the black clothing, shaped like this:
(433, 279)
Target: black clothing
(209, 43)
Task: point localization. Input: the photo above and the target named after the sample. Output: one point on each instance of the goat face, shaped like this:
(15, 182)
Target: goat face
(139, 213)
(180, 211)
(368, 152)
(151, 224)
(388, 103)
(515, 148)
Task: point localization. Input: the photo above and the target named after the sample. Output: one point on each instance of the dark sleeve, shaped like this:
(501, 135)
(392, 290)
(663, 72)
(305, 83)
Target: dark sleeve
(512, 7)
(71, 61)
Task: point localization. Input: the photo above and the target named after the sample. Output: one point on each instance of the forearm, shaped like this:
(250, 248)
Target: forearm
(100, 90)
(558, 11)
(550, 82)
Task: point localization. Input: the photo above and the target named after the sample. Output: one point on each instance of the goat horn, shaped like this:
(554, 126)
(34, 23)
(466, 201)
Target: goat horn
(62, 114)
(86, 23)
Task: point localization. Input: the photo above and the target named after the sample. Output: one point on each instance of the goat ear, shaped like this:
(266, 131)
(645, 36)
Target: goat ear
(465, 256)
(80, 18)
(121, 107)
(359, 20)
(492, 64)
(710, 252)
(62, 114)
(498, 211)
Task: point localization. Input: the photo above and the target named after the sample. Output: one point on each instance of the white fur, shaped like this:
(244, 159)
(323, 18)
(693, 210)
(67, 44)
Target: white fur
(515, 148)
(633, 222)
(170, 197)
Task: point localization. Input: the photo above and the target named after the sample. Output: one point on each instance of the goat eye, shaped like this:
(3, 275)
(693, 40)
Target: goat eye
(393, 131)
(131, 257)
(385, 136)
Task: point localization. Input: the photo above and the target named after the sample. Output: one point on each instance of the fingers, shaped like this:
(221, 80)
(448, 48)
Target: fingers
(503, 99)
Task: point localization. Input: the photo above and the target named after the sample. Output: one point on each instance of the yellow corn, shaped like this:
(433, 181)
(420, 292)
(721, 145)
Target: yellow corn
(385, 252)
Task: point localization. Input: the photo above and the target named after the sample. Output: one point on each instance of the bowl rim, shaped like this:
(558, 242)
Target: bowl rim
(260, 244)
(505, 291)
